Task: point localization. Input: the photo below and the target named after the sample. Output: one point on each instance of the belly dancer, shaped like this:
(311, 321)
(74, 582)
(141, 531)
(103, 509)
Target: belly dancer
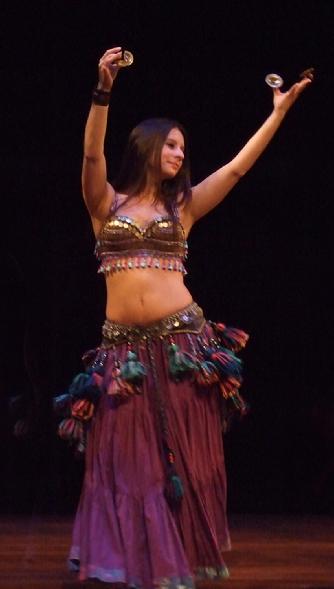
(149, 407)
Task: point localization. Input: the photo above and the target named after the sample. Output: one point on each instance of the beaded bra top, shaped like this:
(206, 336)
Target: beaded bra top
(122, 244)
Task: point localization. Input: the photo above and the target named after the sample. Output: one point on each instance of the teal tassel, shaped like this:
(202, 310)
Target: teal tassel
(177, 486)
(79, 382)
(62, 404)
(80, 448)
(226, 363)
(179, 362)
(77, 405)
(174, 488)
(206, 373)
(132, 370)
(85, 385)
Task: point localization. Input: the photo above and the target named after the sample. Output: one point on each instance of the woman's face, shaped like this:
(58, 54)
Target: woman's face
(172, 154)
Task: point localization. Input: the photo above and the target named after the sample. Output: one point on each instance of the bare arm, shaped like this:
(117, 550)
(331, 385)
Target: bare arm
(211, 191)
(97, 192)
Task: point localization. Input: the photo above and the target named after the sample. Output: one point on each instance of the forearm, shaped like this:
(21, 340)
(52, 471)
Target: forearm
(94, 169)
(95, 132)
(96, 125)
(256, 144)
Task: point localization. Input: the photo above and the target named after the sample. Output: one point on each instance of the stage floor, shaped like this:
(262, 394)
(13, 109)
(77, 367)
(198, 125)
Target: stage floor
(271, 552)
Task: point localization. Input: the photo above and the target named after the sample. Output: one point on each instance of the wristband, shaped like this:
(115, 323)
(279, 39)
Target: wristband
(101, 97)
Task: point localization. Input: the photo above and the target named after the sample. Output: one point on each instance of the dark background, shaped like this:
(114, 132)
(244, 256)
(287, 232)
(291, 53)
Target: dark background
(262, 260)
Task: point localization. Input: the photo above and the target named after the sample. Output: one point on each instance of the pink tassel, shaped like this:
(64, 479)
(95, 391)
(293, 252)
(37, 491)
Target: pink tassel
(237, 400)
(118, 387)
(82, 409)
(221, 357)
(96, 379)
(234, 339)
(225, 362)
(228, 386)
(70, 429)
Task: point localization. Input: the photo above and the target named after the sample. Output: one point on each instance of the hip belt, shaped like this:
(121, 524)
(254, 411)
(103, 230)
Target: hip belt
(187, 320)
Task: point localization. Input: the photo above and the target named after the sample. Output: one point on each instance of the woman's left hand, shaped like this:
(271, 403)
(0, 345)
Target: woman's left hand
(284, 100)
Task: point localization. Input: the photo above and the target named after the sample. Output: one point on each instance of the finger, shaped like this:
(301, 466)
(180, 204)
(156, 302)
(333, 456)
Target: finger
(111, 59)
(111, 51)
(300, 86)
(309, 73)
(277, 92)
(303, 83)
(306, 81)
(294, 89)
(114, 58)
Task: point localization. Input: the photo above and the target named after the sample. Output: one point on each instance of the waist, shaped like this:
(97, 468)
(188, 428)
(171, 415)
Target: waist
(189, 319)
(142, 296)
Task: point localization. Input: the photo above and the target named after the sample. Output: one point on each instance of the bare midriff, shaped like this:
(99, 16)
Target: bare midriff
(142, 296)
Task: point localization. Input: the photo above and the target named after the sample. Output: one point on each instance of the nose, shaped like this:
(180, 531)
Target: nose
(180, 153)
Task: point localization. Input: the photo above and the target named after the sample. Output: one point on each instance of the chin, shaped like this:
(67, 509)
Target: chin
(171, 173)
(168, 175)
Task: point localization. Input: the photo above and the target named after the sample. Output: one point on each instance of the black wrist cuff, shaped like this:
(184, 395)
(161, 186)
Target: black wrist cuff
(101, 97)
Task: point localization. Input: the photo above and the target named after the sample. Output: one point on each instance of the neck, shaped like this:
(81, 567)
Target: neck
(148, 195)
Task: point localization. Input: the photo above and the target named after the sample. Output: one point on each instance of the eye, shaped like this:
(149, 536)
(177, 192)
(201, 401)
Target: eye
(173, 145)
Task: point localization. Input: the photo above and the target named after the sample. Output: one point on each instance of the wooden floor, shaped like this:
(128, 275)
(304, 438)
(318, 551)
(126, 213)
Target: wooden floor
(270, 552)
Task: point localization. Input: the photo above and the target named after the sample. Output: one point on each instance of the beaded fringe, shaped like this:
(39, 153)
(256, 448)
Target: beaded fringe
(111, 264)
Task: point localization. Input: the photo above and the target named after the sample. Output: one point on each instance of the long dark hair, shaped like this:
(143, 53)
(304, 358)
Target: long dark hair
(142, 152)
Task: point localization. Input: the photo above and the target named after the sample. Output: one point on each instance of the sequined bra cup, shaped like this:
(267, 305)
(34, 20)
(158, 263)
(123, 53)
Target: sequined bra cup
(123, 245)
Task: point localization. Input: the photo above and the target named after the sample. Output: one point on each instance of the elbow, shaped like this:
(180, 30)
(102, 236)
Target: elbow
(92, 152)
(237, 173)
(91, 158)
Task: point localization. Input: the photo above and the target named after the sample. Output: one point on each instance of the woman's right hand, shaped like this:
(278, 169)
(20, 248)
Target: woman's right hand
(108, 68)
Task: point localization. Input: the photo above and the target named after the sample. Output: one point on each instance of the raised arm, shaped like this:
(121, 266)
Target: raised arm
(97, 192)
(211, 191)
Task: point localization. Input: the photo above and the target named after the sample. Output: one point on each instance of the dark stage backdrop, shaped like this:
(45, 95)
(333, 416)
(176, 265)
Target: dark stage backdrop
(262, 260)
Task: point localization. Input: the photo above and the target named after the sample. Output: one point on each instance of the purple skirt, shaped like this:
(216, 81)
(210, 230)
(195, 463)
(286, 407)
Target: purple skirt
(163, 394)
